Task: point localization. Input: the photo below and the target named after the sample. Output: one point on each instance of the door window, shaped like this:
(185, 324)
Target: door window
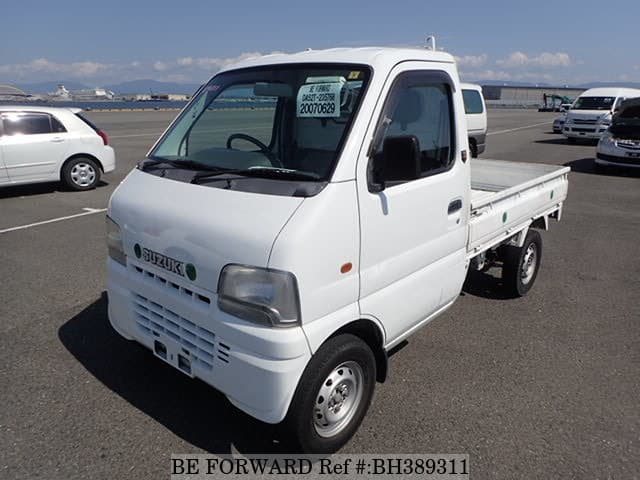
(472, 101)
(56, 125)
(421, 105)
(26, 123)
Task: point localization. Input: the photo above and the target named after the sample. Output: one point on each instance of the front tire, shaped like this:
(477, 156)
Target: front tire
(333, 395)
(81, 173)
(520, 265)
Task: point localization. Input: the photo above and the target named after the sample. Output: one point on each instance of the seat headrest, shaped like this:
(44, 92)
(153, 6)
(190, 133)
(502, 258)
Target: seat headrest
(408, 109)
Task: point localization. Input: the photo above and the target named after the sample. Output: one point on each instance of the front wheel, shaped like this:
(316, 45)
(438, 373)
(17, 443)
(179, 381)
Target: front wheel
(333, 395)
(520, 265)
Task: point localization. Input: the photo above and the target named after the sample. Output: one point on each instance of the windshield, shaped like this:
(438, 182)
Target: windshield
(284, 121)
(593, 103)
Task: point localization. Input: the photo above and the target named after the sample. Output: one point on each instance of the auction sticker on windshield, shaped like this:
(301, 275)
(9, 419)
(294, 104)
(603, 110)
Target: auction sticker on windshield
(319, 100)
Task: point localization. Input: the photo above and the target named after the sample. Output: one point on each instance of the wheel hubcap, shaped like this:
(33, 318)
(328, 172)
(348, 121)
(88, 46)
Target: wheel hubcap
(529, 262)
(338, 399)
(83, 174)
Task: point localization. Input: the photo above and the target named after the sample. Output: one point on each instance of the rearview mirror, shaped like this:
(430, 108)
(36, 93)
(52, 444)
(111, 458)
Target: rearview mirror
(399, 162)
(264, 89)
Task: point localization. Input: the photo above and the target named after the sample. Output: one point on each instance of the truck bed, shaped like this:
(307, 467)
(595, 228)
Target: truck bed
(506, 197)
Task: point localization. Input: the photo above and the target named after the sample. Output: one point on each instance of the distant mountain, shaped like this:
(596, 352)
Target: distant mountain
(611, 84)
(49, 87)
(542, 84)
(135, 86)
(152, 86)
(502, 83)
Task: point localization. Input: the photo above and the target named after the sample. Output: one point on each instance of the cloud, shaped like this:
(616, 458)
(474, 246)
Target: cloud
(43, 66)
(486, 75)
(159, 66)
(185, 61)
(181, 69)
(473, 61)
(544, 59)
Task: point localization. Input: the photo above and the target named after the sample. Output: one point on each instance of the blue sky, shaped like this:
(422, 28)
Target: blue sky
(97, 43)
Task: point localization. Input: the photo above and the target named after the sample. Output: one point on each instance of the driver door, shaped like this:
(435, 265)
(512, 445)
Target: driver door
(413, 233)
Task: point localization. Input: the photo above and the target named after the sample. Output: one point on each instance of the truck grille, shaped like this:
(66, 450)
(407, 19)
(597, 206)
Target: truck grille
(202, 344)
(580, 121)
(171, 286)
(585, 130)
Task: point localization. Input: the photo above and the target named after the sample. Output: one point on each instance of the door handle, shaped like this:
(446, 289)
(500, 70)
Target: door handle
(454, 206)
(57, 140)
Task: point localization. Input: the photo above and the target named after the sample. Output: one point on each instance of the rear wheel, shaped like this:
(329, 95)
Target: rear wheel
(333, 395)
(520, 265)
(81, 173)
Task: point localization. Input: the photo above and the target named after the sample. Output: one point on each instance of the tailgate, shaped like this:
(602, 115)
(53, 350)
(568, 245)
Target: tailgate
(508, 196)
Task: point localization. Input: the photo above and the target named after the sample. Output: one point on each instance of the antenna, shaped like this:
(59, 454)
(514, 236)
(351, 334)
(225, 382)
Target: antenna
(431, 42)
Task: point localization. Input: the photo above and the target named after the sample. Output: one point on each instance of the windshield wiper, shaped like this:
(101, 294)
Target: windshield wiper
(263, 172)
(181, 163)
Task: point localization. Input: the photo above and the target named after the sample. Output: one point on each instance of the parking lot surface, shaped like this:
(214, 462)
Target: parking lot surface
(545, 386)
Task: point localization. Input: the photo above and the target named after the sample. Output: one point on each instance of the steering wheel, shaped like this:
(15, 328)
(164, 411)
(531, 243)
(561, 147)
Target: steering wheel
(263, 148)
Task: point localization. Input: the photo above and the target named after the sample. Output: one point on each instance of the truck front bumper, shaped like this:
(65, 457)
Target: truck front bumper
(257, 368)
(591, 132)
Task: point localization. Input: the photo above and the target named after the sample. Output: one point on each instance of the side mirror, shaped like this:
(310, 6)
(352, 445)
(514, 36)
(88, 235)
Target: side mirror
(398, 162)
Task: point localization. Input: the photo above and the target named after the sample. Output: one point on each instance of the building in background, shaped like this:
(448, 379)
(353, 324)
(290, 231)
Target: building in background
(525, 96)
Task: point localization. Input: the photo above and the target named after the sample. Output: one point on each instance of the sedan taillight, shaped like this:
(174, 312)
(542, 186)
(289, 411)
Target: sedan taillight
(104, 137)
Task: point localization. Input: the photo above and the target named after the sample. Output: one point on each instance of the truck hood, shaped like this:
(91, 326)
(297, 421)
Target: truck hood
(199, 225)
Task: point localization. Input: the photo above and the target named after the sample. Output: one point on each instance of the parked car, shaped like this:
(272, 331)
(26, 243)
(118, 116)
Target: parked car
(558, 123)
(279, 254)
(476, 113)
(620, 144)
(590, 115)
(43, 144)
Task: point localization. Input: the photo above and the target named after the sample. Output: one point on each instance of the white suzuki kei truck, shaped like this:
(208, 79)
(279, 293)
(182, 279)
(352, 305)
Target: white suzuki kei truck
(303, 215)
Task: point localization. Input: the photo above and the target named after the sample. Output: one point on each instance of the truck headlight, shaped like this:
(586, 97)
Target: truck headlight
(114, 242)
(605, 120)
(260, 295)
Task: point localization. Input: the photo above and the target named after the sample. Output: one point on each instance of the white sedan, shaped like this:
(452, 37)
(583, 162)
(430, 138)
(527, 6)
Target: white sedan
(44, 144)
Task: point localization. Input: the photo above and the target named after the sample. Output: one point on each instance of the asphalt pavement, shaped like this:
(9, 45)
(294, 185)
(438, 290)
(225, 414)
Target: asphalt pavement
(545, 386)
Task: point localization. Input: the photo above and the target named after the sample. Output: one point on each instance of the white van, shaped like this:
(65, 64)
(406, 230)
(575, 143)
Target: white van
(476, 111)
(590, 115)
(279, 249)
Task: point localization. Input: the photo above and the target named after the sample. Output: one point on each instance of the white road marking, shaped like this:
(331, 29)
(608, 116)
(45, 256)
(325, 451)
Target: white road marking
(519, 128)
(87, 211)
